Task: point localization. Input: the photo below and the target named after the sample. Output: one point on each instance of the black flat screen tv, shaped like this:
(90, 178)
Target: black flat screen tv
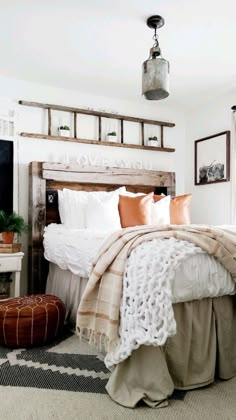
(6, 176)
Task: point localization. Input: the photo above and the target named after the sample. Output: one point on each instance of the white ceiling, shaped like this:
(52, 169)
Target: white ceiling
(98, 46)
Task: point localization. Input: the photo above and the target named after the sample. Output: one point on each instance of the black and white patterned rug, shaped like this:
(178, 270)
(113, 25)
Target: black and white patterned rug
(67, 364)
(67, 379)
(55, 366)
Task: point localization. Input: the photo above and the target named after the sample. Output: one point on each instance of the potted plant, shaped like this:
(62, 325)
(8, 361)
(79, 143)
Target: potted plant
(64, 131)
(112, 136)
(153, 141)
(10, 224)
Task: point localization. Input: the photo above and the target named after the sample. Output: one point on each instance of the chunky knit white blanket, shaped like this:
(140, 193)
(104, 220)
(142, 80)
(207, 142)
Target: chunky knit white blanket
(146, 313)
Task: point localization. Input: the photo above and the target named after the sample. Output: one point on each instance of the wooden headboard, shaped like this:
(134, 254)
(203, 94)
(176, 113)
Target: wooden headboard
(46, 178)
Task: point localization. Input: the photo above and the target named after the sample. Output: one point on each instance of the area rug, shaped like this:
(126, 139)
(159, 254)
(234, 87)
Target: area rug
(66, 380)
(56, 366)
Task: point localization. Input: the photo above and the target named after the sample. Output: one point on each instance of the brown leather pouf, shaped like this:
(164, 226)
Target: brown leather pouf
(30, 320)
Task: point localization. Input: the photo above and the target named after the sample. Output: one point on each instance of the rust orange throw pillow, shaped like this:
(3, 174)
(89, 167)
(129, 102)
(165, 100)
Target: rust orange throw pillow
(135, 211)
(179, 209)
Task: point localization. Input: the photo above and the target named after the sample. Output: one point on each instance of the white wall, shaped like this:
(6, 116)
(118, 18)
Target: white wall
(211, 204)
(34, 120)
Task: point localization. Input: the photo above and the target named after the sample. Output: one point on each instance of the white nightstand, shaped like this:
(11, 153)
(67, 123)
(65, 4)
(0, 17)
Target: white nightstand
(12, 263)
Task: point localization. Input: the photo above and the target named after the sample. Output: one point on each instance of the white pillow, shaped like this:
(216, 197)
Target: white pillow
(161, 211)
(103, 214)
(76, 205)
(61, 207)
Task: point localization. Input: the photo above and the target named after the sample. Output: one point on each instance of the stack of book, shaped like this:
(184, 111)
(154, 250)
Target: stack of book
(9, 248)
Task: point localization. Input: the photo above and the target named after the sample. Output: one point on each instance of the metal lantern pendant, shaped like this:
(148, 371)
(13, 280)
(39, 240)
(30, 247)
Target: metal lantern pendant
(155, 68)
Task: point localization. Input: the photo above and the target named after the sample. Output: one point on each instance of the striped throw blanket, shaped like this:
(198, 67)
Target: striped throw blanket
(98, 313)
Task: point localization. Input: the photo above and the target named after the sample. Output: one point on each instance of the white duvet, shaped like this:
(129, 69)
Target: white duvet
(199, 276)
(72, 249)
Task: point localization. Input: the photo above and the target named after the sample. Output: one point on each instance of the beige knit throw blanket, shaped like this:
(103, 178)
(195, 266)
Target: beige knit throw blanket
(98, 313)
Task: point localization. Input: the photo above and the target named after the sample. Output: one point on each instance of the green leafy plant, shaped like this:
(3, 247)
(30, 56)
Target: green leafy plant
(64, 127)
(12, 223)
(153, 138)
(112, 133)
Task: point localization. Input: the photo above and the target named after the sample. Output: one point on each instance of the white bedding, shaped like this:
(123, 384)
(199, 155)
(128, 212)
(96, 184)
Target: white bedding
(198, 277)
(72, 249)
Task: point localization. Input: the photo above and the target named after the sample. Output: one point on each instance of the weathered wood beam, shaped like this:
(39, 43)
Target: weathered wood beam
(104, 143)
(105, 175)
(37, 217)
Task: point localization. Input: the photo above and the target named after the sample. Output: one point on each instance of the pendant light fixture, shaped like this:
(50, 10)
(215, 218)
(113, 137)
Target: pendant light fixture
(155, 68)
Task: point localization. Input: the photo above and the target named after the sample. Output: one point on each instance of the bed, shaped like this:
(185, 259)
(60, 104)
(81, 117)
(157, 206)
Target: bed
(205, 344)
(45, 179)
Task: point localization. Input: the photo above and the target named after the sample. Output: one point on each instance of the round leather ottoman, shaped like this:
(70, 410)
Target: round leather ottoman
(30, 320)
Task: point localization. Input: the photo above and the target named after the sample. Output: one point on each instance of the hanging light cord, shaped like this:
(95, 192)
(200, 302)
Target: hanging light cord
(155, 38)
(155, 50)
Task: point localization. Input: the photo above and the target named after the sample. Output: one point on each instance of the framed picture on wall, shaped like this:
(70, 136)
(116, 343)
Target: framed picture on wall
(212, 159)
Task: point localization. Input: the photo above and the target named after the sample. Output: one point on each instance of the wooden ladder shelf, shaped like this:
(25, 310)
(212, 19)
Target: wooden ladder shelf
(100, 115)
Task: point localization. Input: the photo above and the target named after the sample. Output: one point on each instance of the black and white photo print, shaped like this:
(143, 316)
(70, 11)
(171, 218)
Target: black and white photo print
(212, 159)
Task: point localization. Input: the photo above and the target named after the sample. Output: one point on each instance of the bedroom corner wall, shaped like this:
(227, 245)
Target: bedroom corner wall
(31, 120)
(211, 204)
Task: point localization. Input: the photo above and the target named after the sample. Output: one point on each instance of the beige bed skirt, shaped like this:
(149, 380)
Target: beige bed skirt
(203, 348)
(68, 287)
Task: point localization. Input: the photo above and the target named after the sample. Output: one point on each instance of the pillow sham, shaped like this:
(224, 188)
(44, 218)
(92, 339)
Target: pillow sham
(61, 206)
(76, 205)
(179, 208)
(135, 211)
(161, 211)
(103, 214)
